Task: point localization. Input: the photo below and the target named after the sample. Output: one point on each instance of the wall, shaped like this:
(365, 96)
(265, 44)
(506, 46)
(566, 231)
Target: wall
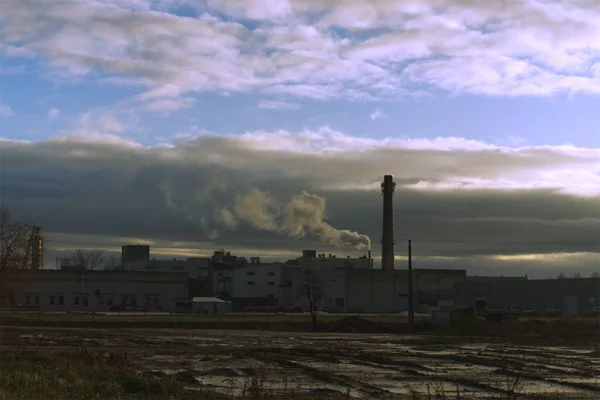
(253, 281)
(378, 291)
(91, 290)
(196, 267)
(331, 282)
(538, 294)
(333, 262)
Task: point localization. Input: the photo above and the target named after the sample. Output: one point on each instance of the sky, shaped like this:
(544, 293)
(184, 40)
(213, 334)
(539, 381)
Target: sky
(266, 126)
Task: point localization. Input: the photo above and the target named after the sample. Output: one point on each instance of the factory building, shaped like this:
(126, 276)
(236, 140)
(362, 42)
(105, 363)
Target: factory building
(132, 253)
(247, 284)
(310, 259)
(37, 249)
(371, 291)
(196, 267)
(566, 297)
(67, 290)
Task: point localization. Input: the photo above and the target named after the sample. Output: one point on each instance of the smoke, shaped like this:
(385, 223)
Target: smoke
(207, 206)
(304, 214)
(257, 208)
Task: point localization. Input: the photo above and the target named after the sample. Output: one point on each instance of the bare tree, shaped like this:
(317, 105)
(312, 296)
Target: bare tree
(561, 276)
(595, 274)
(14, 241)
(311, 290)
(113, 264)
(576, 275)
(87, 259)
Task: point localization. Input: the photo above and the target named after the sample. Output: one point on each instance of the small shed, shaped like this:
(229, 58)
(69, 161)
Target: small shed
(210, 305)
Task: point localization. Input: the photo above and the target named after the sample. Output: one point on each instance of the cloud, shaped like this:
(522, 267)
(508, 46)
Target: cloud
(463, 202)
(356, 50)
(376, 114)
(54, 113)
(6, 111)
(277, 105)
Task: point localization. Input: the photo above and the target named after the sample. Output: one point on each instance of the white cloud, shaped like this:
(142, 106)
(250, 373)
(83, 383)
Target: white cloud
(376, 114)
(277, 105)
(6, 111)
(293, 48)
(54, 113)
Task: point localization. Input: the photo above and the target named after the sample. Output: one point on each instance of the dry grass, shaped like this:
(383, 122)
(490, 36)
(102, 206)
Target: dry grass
(87, 375)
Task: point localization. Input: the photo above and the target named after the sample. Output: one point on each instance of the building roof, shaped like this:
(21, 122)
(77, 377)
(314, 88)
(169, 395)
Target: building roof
(208, 300)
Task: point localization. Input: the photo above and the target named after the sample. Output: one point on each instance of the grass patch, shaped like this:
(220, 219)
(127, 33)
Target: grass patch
(80, 375)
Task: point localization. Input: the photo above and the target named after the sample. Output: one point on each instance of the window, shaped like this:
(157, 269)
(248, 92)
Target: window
(339, 302)
(129, 299)
(85, 300)
(250, 282)
(61, 300)
(28, 300)
(52, 300)
(250, 273)
(75, 300)
(36, 300)
(270, 273)
(270, 283)
(152, 300)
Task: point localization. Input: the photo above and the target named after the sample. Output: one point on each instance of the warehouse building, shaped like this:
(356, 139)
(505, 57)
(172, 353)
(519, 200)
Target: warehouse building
(372, 291)
(67, 290)
(566, 297)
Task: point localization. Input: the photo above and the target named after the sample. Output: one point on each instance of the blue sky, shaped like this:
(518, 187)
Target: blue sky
(202, 103)
(51, 65)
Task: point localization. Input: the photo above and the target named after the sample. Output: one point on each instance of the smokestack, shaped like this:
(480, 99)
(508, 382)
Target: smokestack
(388, 186)
(370, 262)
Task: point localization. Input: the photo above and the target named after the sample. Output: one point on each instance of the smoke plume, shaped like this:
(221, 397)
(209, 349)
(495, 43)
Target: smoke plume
(304, 214)
(257, 208)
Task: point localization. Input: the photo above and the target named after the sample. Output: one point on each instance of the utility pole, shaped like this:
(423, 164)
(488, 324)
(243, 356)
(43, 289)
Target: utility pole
(411, 306)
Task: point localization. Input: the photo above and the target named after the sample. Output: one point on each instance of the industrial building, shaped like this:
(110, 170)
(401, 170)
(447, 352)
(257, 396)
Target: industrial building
(68, 290)
(132, 253)
(372, 290)
(196, 267)
(566, 297)
(37, 248)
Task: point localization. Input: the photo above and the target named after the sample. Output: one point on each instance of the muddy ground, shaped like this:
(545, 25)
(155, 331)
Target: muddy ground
(367, 366)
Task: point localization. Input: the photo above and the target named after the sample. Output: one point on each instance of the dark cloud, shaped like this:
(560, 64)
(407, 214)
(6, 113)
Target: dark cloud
(192, 193)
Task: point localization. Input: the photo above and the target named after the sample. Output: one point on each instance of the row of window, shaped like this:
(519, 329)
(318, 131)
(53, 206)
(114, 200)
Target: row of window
(252, 273)
(83, 300)
(253, 283)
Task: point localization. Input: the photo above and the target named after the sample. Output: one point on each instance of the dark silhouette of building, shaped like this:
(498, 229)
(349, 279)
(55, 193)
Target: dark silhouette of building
(132, 253)
(37, 248)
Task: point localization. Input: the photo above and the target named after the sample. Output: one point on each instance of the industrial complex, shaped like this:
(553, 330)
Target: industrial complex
(225, 282)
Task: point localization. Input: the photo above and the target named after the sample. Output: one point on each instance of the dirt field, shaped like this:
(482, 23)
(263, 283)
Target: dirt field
(367, 366)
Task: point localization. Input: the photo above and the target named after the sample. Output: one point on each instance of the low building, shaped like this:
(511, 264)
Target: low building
(371, 291)
(561, 296)
(68, 290)
(210, 305)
